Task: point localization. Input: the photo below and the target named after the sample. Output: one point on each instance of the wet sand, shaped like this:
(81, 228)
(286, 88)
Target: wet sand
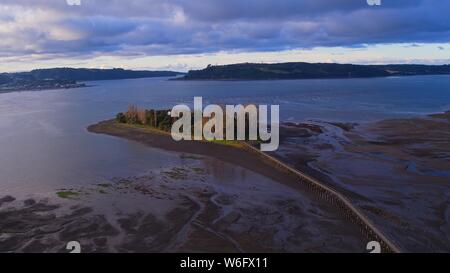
(162, 140)
(397, 171)
(180, 209)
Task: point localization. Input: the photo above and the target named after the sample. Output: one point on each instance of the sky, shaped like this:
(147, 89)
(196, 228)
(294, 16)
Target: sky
(190, 34)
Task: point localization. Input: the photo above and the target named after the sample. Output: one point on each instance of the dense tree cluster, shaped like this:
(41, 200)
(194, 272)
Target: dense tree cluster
(154, 118)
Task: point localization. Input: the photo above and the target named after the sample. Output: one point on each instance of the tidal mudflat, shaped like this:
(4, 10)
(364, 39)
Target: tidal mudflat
(178, 209)
(397, 171)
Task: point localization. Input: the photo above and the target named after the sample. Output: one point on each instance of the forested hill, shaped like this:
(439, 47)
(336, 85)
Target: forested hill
(254, 71)
(85, 74)
(58, 78)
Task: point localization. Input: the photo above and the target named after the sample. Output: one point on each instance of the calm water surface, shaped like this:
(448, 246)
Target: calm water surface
(44, 144)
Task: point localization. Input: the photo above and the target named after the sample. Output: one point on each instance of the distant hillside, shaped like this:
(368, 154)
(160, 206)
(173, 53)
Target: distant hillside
(253, 71)
(69, 77)
(84, 74)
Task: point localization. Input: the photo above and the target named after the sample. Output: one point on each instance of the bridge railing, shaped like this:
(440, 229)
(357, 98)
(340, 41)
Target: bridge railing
(334, 198)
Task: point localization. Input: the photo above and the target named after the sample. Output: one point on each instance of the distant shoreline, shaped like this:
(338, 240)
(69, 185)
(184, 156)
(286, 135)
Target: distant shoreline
(65, 78)
(302, 70)
(299, 79)
(44, 89)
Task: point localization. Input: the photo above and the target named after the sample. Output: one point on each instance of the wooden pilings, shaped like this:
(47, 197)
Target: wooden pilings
(333, 197)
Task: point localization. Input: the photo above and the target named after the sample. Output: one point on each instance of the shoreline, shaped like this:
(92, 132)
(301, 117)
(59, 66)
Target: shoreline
(162, 140)
(252, 159)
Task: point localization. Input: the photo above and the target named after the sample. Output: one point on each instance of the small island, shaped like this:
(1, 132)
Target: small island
(153, 127)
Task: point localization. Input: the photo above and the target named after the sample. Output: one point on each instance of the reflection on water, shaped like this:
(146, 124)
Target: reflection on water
(44, 144)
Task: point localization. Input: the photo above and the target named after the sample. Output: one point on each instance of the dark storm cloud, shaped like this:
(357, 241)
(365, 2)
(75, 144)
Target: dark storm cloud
(158, 27)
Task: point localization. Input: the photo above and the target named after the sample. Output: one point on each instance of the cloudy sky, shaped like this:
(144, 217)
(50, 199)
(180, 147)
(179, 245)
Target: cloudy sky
(187, 34)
